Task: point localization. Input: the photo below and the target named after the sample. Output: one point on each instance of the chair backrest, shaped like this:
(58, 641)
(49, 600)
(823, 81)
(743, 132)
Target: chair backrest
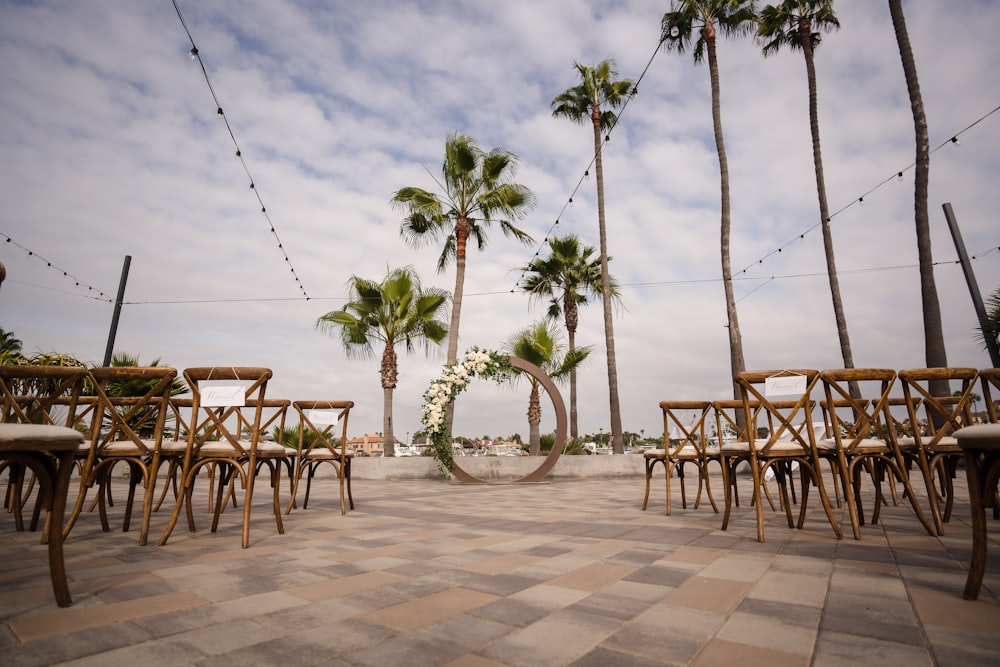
(728, 414)
(789, 419)
(225, 401)
(132, 403)
(318, 419)
(936, 417)
(680, 432)
(41, 394)
(851, 420)
(278, 408)
(991, 383)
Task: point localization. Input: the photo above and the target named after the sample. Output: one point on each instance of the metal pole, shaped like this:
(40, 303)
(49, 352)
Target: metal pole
(970, 279)
(118, 310)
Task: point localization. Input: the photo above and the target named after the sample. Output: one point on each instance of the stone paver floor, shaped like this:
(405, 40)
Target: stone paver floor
(570, 572)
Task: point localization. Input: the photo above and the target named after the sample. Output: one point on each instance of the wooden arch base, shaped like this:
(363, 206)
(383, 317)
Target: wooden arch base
(549, 462)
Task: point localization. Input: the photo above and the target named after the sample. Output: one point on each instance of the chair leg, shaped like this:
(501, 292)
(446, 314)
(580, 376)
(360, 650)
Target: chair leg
(649, 477)
(347, 476)
(983, 473)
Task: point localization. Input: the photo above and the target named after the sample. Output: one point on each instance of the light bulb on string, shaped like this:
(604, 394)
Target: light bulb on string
(193, 53)
(675, 32)
(219, 114)
(955, 141)
(899, 177)
(586, 174)
(861, 201)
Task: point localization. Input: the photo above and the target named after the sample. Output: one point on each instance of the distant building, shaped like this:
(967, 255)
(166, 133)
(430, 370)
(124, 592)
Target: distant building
(370, 444)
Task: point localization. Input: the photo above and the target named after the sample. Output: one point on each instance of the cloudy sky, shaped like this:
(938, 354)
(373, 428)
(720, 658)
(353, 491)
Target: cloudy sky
(111, 147)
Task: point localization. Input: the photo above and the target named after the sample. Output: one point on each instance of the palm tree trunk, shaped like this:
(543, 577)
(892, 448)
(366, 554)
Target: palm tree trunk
(570, 312)
(736, 360)
(609, 334)
(934, 349)
(534, 418)
(805, 30)
(389, 440)
(389, 372)
(461, 242)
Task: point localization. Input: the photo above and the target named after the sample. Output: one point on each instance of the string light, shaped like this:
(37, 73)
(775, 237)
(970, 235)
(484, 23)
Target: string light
(898, 176)
(196, 55)
(65, 274)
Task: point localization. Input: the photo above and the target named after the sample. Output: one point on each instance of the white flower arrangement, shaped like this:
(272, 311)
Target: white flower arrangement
(453, 380)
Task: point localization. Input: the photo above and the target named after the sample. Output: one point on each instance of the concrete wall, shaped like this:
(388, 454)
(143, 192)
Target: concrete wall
(498, 468)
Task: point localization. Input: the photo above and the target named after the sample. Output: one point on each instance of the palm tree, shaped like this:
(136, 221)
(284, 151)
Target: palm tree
(143, 421)
(599, 92)
(567, 277)
(395, 310)
(701, 20)
(476, 190)
(797, 25)
(10, 348)
(934, 349)
(988, 331)
(540, 344)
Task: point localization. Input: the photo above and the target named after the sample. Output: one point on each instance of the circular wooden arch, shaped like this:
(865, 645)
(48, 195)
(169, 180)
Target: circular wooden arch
(549, 461)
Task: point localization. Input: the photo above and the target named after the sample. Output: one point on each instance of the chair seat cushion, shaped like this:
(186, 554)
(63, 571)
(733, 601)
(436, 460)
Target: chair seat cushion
(783, 447)
(980, 436)
(864, 446)
(128, 448)
(30, 436)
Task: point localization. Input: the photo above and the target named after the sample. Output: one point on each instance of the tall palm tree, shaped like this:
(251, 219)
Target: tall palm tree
(477, 189)
(594, 99)
(567, 277)
(934, 349)
(701, 21)
(797, 24)
(393, 311)
(540, 344)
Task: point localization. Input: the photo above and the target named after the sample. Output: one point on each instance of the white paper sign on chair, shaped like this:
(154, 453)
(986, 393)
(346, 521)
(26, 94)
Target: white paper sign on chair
(222, 393)
(324, 417)
(785, 385)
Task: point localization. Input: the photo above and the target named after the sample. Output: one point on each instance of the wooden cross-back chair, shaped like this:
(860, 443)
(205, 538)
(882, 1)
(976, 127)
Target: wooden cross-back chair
(790, 438)
(933, 419)
(44, 395)
(125, 429)
(216, 441)
(684, 442)
(321, 441)
(861, 434)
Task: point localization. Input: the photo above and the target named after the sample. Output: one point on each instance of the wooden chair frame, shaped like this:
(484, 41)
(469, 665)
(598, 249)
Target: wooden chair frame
(866, 442)
(932, 446)
(690, 448)
(213, 443)
(790, 439)
(47, 395)
(322, 449)
(115, 439)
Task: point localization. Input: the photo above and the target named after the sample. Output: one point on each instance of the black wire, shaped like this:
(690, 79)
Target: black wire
(67, 274)
(195, 53)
